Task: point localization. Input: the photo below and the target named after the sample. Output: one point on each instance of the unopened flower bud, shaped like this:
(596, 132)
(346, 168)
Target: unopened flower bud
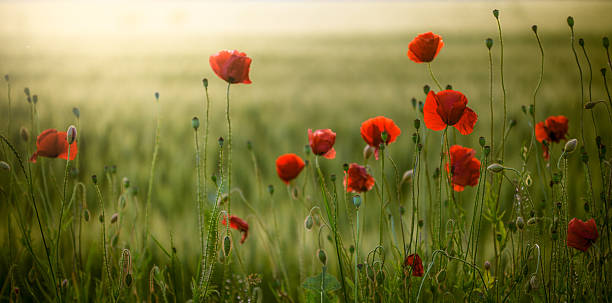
(157, 96)
(414, 102)
(220, 140)
(94, 179)
(368, 151)
(570, 21)
(357, 201)
(487, 265)
(605, 41)
(407, 177)
(417, 123)
(345, 166)
(271, 189)
(487, 150)
(581, 42)
(520, 223)
(71, 134)
(495, 168)
(34, 99)
(570, 146)
(25, 134)
(76, 112)
(603, 71)
(308, 222)
(489, 43)
(126, 182)
(322, 256)
(101, 218)
(426, 89)
(5, 166)
(227, 245)
(482, 141)
(496, 13)
(195, 123)
(591, 104)
(448, 86)
(86, 215)
(205, 82)
(534, 28)
(421, 223)
(114, 218)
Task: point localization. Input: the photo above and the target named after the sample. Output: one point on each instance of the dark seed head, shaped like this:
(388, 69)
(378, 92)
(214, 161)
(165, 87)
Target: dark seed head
(534, 28)
(489, 43)
(496, 13)
(570, 21)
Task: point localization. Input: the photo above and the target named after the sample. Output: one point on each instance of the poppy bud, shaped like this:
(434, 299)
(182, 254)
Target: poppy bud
(322, 256)
(86, 215)
(126, 182)
(415, 137)
(220, 140)
(420, 146)
(71, 134)
(113, 169)
(357, 201)
(307, 149)
(417, 123)
(570, 21)
(421, 223)
(157, 96)
(128, 280)
(407, 177)
(520, 223)
(345, 166)
(495, 168)
(213, 178)
(271, 189)
(35, 99)
(586, 207)
(94, 179)
(426, 89)
(308, 222)
(512, 123)
(227, 245)
(25, 134)
(532, 221)
(570, 146)
(487, 150)
(352, 249)
(368, 151)
(195, 123)
(604, 40)
(534, 28)
(414, 102)
(6, 78)
(249, 145)
(592, 104)
(489, 43)
(205, 82)
(482, 141)
(76, 112)
(496, 13)
(101, 218)
(5, 166)
(64, 283)
(581, 42)
(114, 218)
(332, 177)
(487, 265)
(448, 86)
(26, 91)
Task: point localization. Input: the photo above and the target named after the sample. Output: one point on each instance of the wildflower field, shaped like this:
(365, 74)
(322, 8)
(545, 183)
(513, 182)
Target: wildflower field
(305, 152)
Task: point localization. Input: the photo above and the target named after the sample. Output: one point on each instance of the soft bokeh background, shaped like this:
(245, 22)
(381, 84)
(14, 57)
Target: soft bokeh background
(315, 65)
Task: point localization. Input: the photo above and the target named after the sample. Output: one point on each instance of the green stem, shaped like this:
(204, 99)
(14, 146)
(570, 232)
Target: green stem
(432, 76)
(491, 100)
(199, 195)
(59, 228)
(501, 42)
(151, 175)
(357, 260)
(104, 250)
(229, 153)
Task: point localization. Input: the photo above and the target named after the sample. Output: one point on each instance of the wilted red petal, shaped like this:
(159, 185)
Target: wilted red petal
(231, 66)
(357, 179)
(425, 47)
(238, 224)
(288, 167)
(581, 235)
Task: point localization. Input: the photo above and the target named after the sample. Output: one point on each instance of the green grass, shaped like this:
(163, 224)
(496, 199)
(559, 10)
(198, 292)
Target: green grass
(320, 65)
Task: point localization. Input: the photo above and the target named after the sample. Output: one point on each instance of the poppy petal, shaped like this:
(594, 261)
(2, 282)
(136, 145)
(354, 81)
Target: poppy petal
(430, 113)
(467, 122)
(331, 154)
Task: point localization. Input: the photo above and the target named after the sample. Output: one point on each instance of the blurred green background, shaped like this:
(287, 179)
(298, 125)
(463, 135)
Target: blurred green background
(315, 65)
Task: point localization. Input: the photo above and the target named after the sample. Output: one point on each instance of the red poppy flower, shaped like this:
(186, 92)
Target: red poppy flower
(53, 144)
(231, 66)
(372, 129)
(288, 167)
(238, 224)
(553, 129)
(465, 169)
(425, 47)
(415, 262)
(357, 179)
(448, 108)
(322, 142)
(581, 235)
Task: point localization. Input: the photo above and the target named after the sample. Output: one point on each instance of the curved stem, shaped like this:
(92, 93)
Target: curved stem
(432, 76)
(501, 42)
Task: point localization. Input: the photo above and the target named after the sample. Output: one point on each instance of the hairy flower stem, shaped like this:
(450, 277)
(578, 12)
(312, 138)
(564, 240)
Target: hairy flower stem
(533, 116)
(59, 227)
(199, 205)
(104, 250)
(357, 258)
(151, 176)
(229, 154)
(205, 180)
(382, 196)
(432, 76)
(492, 138)
(501, 44)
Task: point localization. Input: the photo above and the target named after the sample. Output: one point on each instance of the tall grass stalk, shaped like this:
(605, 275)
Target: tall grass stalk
(63, 202)
(104, 248)
(503, 86)
(151, 174)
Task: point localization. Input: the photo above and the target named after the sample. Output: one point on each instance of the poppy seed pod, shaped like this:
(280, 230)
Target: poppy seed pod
(227, 245)
(489, 43)
(417, 123)
(534, 28)
(520, 223)
(308, 222)
(570, 21)
(421, 223)
(71, 134)
(495, 168)
(426, 89)
(357, 201)
(482, 141)
(157, 96)
(220, 141)
(605, 41)
(271, 189)
(5, 166)
(114, 218)
(496, 13)
(86, 215)
(322, 256)
(205, 82)
(195, 123)
(581, 42)
(487, 265)
(570, 146)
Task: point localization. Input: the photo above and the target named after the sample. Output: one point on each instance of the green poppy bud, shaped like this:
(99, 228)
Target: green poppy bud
(308, 222)
(71, 134)
(195, 123)
(322, 256)
(357, 201)
(489, 43)
(227, 245)
(496, 13)
(205, 82)
(605, 41)
(570, 21)
(495, 168)
(534, 28)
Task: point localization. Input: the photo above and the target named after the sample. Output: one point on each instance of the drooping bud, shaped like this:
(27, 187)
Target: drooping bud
(357, 201)
(407, 177)
(482, 141)
(570, 146)
(534, 28)
(205, 82)
(417, 124)
(322, 256)
(495, 168)
(487, 265)
(489, 43)
(605, 41)
(5, 166)
(195, 123)
(227, 245)
(570, 21)
(76, 112)
(308, 222)
(426, 89)
(592, 104)
(94, 179)
(24, 133)
(581, 42)
(520, 223)
(368, 151)
(114, 218)
(71, 134)
(496, 13)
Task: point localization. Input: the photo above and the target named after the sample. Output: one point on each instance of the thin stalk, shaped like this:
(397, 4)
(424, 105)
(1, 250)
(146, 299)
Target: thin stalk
(151, 175)
(492, 138)
(199, 195)
(382, 196)
(432, 76)
(501, 43)
(104, 250)
(59, 228)
(357, 259)
(229, 153)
